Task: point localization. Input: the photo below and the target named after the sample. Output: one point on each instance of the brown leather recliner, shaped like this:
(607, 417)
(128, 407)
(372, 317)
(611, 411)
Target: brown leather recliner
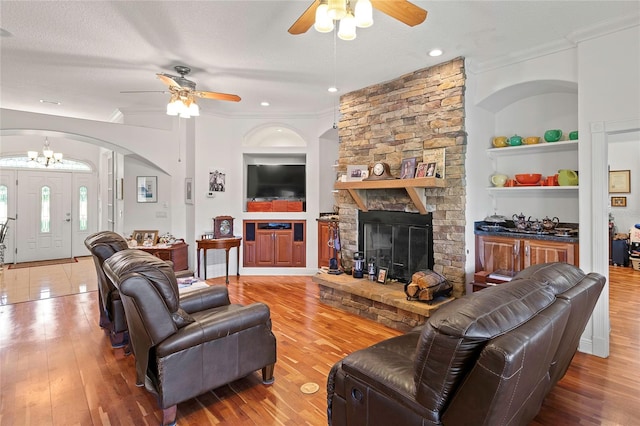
(102, 246)
(187, 345)
(488, 358)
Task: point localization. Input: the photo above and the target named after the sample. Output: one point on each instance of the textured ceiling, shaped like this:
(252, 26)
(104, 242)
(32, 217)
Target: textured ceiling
(84, 53)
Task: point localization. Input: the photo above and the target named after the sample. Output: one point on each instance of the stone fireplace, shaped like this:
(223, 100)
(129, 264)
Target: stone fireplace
(399, 241)
(401, 119)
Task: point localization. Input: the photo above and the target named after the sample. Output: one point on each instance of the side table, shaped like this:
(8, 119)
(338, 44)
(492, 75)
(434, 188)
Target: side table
(225, 244)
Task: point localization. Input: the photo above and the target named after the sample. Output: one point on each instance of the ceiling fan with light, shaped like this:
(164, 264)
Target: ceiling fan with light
(183, 93)
(354, 13)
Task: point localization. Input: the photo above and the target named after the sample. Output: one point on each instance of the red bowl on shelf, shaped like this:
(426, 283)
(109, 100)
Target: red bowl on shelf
(528, 178)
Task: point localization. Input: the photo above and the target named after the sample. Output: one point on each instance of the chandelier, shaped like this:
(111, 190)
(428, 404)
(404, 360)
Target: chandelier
(48, 156)
(183, 104)
(350, 17)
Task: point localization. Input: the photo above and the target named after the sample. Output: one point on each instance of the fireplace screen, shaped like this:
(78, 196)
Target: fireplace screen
(402, 242)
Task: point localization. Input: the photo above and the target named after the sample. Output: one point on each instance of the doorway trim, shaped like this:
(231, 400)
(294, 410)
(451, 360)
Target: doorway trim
(600, 131)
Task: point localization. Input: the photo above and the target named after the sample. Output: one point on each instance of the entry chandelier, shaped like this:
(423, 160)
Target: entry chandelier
(48, 156)
(183, 104)
(344, 11)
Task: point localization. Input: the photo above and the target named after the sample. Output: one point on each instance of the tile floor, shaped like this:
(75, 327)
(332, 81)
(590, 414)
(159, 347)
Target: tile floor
(43, 282)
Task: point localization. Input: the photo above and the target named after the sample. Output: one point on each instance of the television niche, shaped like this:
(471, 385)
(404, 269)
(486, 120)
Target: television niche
(276, 187)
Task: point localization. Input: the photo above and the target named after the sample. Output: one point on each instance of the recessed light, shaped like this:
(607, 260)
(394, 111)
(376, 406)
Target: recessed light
(435, 52)
(264, 103)
(44, 101)
(332, 89)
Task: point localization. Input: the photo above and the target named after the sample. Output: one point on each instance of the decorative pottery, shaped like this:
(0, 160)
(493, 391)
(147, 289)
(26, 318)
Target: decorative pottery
(552, 135)
(515, 140)
(573, 135)
(567, 177)
(528, 178)
(531, 140)
(499, 179)
(500, 141)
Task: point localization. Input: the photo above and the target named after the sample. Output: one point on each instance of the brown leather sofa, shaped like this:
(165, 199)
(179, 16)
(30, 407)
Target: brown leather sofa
(186, 345)
(488, 358)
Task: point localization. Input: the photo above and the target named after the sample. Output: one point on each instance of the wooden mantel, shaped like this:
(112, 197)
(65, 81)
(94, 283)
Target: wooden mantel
(356, 189)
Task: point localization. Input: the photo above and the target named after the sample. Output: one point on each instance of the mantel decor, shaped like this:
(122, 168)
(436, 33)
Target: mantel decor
(620, 181)
(147, 189)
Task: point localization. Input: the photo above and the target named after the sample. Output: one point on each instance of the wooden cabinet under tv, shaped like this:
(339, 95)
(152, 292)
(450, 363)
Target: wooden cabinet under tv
(274, 243)
(497, 253)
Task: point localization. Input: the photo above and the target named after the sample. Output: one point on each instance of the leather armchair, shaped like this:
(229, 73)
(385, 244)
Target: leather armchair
(185, 346)
(102, 246)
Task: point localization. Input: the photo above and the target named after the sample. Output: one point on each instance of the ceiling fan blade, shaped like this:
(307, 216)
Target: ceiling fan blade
(168, 80)
(306, 20)
(218, 96)
(144, 91)
(402, 10)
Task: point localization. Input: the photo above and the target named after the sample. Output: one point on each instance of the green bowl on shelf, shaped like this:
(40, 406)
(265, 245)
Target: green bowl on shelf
(573, 136)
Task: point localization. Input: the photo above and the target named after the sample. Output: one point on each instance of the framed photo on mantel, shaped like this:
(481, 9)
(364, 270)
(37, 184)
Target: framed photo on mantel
(436, 156)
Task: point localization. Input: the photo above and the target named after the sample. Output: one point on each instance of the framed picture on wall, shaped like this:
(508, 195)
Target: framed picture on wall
(188, 191)
(618, 201)
(147, 189)
(620, 181)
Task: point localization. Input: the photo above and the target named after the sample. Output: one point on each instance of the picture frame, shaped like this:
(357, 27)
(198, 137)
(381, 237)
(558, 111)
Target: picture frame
(188, 190)
(356, 173)
(408, 168)
(619, 181)
(147, 189)
(436, 155)
(217, 180)
(430, 170)
(421, 170)
(382, 275)
(145, 234)
(618, 201)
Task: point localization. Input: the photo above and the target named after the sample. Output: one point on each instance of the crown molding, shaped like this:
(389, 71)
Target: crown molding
(570, 41)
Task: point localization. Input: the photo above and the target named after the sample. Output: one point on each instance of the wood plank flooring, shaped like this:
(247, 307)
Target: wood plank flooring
(57, 368)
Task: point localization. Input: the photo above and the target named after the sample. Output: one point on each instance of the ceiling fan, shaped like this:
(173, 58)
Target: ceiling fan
(183, 93)
(402, 10)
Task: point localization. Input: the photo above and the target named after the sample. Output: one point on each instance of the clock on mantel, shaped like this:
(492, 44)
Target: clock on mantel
(380, 171)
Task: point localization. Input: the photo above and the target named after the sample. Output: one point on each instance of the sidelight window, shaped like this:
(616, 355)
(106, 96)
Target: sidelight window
(4, 203)
(83, 208)
(45, 209)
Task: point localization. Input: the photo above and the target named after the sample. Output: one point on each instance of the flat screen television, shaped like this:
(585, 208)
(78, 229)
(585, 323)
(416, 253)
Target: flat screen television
(281, 181)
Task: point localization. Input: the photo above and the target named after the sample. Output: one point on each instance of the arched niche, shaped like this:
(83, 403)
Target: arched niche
(274, 136)
(508, 95)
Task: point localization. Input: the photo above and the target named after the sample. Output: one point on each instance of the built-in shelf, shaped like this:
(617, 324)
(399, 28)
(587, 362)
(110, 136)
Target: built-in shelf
(357, 189)
(503, 189)
(545, 147)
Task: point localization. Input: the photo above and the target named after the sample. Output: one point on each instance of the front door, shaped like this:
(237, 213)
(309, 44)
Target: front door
(44, 215)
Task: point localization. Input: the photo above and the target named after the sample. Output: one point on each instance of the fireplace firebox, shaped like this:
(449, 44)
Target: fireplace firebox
(399, 241)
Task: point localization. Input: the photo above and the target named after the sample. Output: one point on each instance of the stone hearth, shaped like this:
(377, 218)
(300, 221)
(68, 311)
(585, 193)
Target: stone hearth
(386, 304)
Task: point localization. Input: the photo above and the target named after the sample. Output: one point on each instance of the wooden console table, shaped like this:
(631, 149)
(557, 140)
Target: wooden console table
(225, 244)
(176, 253)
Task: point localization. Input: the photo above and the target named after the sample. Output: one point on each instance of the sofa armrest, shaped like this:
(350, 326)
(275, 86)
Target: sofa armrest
(207, 298)
(216, 323)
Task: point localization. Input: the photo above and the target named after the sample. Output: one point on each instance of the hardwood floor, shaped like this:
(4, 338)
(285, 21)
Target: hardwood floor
(57, 368)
